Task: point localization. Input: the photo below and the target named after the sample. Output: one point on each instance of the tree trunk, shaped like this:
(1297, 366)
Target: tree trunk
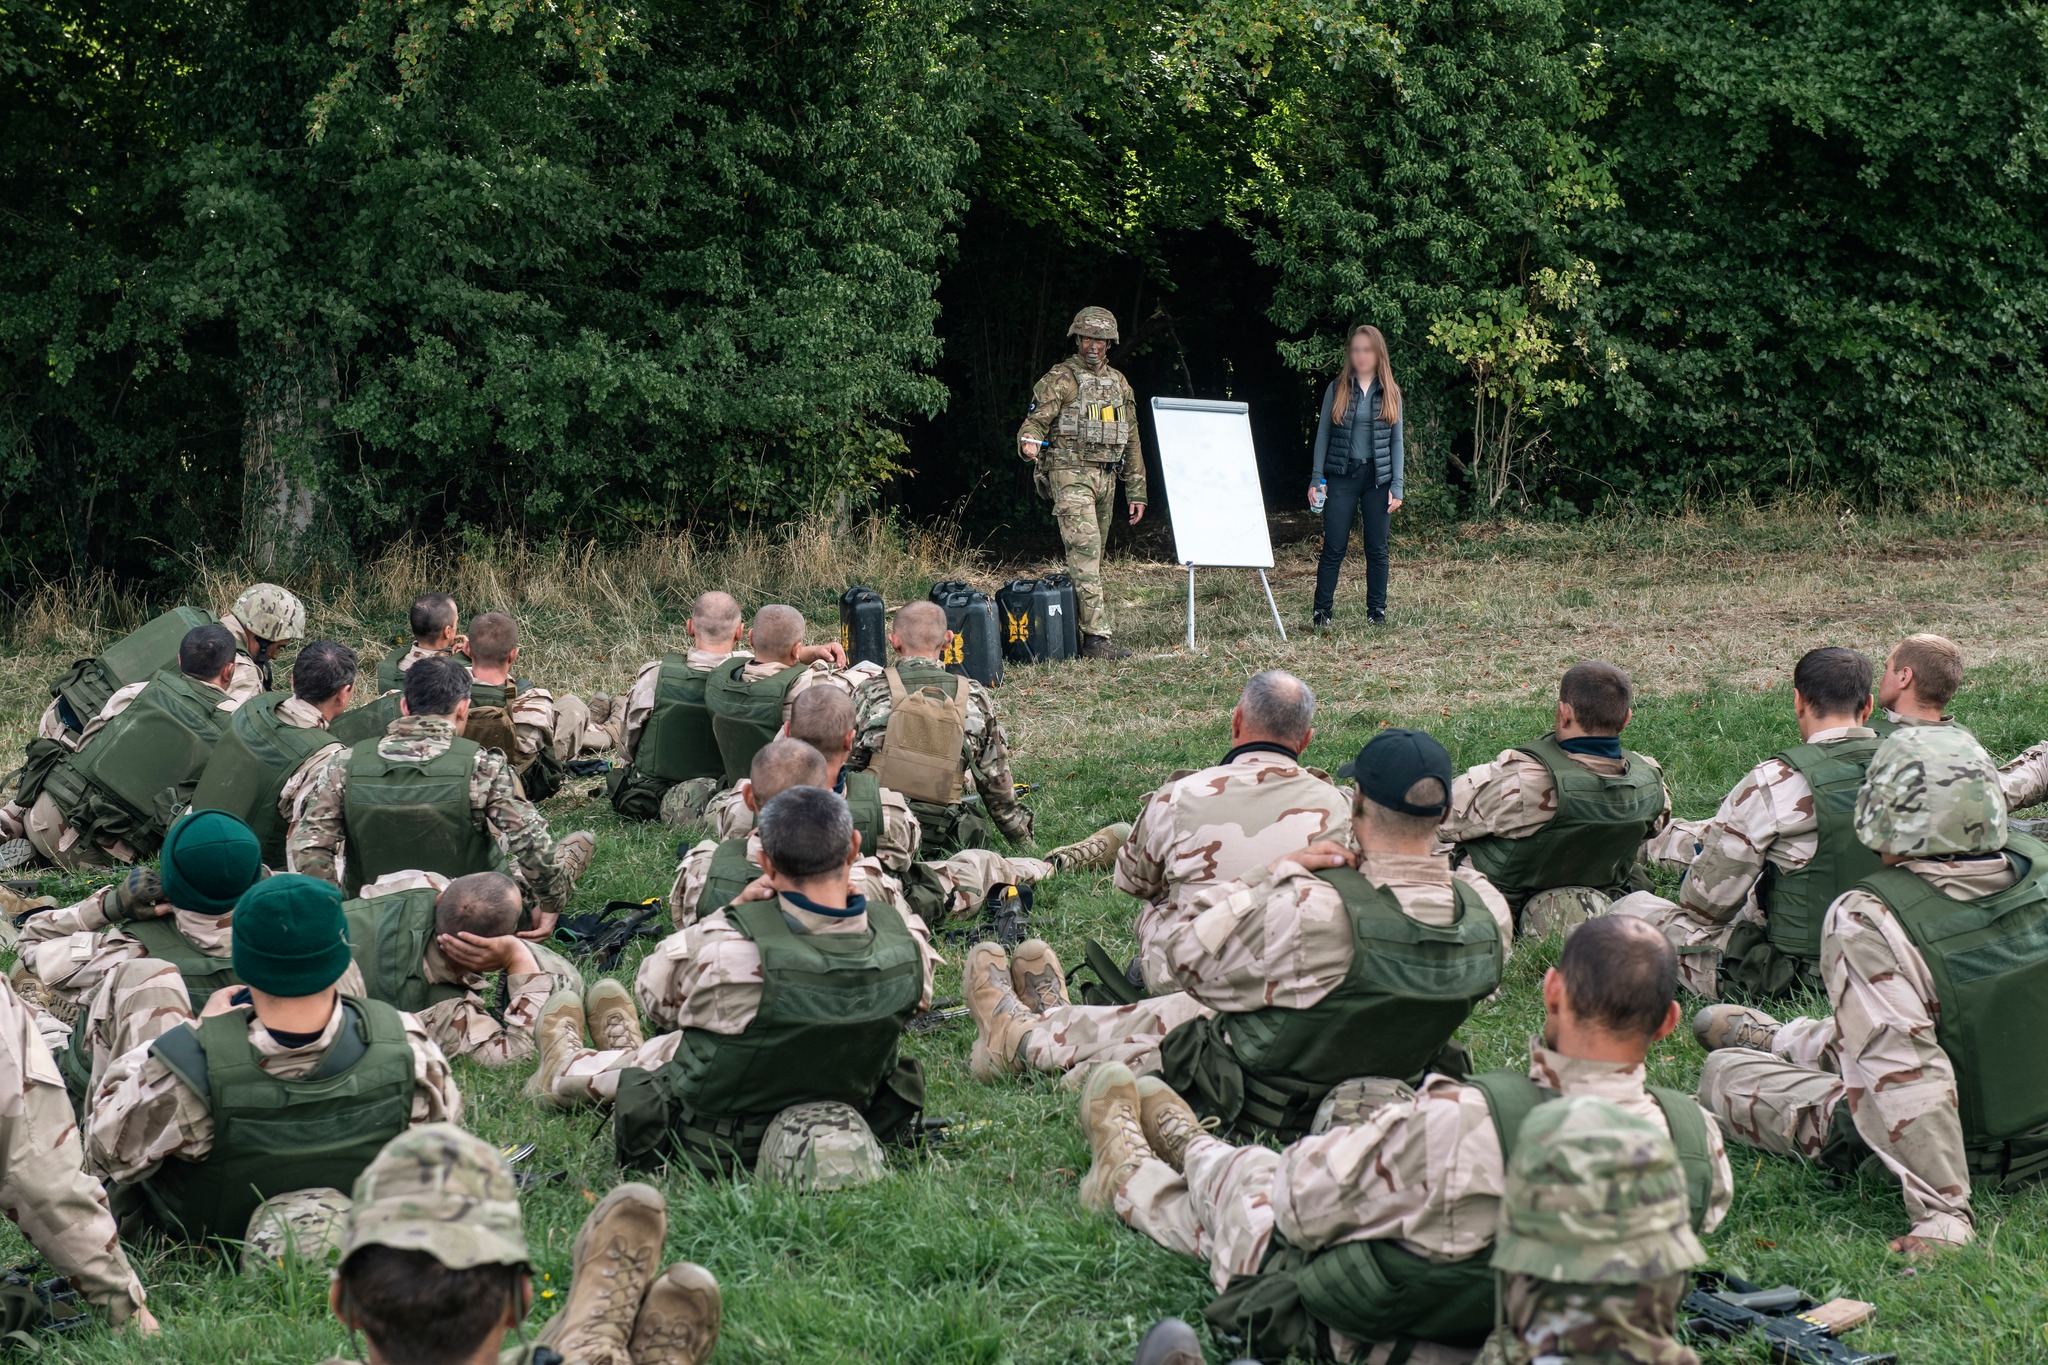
(288, 525)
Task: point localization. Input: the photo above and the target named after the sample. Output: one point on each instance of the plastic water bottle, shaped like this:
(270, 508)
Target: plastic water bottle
(1318, 495)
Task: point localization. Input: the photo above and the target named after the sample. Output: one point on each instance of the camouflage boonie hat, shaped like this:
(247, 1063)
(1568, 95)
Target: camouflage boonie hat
(1354, 1101)
(304, 1224)
(439, 1190)
(1595, 1195)
(1931, 790)
(1561, 907)
(271, 613)
(1094, 322)
(820, 1146)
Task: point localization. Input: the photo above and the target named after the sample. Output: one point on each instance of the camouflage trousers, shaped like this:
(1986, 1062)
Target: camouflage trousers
(684, 804)
(1070, 1040)
(1630, 1323)
(1084, 505)
(592, 1075)
(1781, 1101)
(1699, 942)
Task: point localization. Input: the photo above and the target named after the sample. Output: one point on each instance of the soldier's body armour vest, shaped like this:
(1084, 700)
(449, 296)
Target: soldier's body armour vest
(1795, 903)
(1379, 1292)
(388, 938)
(256, 756)
(412, 814)
(203, 974)
(365, 722)
(273, 1136)
(1592, 840)
(88, 685)
(728, 875)
(744, 715)
(678, 743)
(833, 1007)
(146, 761)
(863, 796)
(1409, 988)
(1097, 424)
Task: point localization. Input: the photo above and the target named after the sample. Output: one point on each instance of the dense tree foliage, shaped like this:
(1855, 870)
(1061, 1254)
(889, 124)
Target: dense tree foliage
(293, 279)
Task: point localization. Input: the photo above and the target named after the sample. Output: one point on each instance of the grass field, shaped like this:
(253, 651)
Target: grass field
(978, 1252)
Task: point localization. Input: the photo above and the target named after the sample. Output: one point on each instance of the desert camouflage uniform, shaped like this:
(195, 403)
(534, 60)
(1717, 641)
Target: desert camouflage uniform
(708, 977)
(985, 749)
(466, 1027)
(819, 674)
(316, 845)
(1279, 938)
(2024, 781)
(1768, 818)
(1209, 827)
(1082, 481)
(43, 1186)
(1426, 1173)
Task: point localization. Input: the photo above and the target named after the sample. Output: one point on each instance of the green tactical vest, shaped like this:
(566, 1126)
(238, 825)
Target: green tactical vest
(745, 716)
(1593, 839)
(147, 759)
(354, 726)
(1409, 988)
(407, 814)
(273, 1136)
(728, 875)
(863, 798)
(86, 687)
(833, 1007)
(1795, 903)
(388, 938)
(679, 743)
(256, 756)
(1378, 1292)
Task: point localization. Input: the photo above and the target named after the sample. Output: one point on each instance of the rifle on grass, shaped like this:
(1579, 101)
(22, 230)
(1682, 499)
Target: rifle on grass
(1797, 1330)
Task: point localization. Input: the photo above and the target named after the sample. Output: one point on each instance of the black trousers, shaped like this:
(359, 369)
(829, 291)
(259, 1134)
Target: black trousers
(1349, 496)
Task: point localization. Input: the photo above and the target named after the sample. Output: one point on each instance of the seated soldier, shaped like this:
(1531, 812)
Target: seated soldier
(1760, 874)
(782, 1048)
(425, 943)
(136, 765)
(1292, 979)
(434, 1268)
(1215, 825)
(537, 732)
(420, 798)
(279, 1094)
(749, 698)
(1921, 677)
(950, 749)
(436, 624)
(1556, 825)
(666, 745)
(1934, 966)
(275, 743)
(1378, 1230)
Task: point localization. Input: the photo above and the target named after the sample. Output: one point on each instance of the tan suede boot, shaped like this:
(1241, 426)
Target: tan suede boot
(1170, 1123)
(558, 1037)
(614, 1016)
(1035, 972)
(611, 1266)
(1719, 1026)
(1096, 853)
(678, 1322)
(1111, 1116)
(1001, 1021)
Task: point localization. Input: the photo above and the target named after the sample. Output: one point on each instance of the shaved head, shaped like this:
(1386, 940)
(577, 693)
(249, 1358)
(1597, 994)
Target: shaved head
(492, 638)
(786, 763)
(921, 628)
(822, 717)
(483, 903)
(715, 614)
(778, 630)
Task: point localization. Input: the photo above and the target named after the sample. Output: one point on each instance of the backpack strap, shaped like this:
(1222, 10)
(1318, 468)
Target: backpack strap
(181, 1051)
(897, 692)
(350, 1045)
(1695, 1146)
(1510, 1098)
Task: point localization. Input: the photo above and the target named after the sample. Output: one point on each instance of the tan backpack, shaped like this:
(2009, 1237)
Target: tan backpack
(922, 750)
(491, 726)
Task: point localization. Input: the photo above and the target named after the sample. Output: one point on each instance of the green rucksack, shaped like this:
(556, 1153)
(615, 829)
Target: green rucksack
(1593, 838)
(745, 715)
(409, 814)
(256, 756)
(85, 687)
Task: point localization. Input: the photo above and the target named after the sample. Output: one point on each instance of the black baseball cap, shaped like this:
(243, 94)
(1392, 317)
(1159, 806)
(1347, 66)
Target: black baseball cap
(1392, 761)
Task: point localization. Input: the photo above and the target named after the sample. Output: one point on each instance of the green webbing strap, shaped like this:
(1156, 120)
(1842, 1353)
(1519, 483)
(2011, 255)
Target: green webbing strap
(350, 1045)
(181, 1051)
(1695, 1153)
(1510, 1098)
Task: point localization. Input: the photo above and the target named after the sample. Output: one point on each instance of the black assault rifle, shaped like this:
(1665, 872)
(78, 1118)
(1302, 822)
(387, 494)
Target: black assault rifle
(1798, 1331)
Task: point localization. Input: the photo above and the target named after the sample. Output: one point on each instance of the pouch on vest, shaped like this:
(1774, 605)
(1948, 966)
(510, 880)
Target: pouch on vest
(745, 715)
(948, 829)
(86, 687)
(923, 754)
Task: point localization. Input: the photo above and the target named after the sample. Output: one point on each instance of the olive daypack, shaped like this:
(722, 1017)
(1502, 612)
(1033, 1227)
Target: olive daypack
(388, 937)
(88, 684)
(1592, 839)
(257, 754)
(745, 716)
(923, 753)
(412, 814)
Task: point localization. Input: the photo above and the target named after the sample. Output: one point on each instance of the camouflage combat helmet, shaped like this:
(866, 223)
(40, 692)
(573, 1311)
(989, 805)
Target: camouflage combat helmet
(305, 1225)
(1595, 1195)
(271, 613)
(820, 1146)
(1094, 322)
(439, 1190)
(1931, 791)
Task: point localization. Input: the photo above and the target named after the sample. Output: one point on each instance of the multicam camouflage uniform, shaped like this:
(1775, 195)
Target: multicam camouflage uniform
(1280, 938)
(316, 845)
(985, 749)
(1932, 796)
(1082, 456)
(1426, 1173)
(1767, 819)
(1209, 827)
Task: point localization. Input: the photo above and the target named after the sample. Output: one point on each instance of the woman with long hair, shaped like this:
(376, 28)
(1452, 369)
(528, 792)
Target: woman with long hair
(1358, 467)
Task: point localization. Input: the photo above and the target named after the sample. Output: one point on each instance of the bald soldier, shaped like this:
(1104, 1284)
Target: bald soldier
(1082, 432)
(667, 750)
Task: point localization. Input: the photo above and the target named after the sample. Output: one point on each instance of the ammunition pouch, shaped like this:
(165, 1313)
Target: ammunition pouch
(635, 795)
(1753, 967)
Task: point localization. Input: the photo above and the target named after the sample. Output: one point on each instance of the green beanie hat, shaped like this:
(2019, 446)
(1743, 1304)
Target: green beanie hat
(210, 858)
(290, 935)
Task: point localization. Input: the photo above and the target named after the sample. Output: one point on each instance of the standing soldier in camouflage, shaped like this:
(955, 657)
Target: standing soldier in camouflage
(420, 798)
(1927, 1068)
(1557, 824)
(1921, 677)
(275, 744)
(433, 1256)
(1378, 1230)
(1082, 431)
(1760, 874)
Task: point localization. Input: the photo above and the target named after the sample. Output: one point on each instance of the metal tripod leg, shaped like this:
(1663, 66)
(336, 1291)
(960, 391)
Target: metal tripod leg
(1269, 602)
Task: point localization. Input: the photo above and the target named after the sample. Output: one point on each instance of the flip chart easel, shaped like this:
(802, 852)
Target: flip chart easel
(1213, 493)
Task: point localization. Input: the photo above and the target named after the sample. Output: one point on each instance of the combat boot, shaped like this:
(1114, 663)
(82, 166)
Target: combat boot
(600, 708)
(611, 1266)
(1096, 853)
(16, 853)
(1169, 1122)
(558, 1037)
(1719, 1026)
(1035, 973)
(1169, 1342)
(573, 853)
(678, 1322)
(1102, 647)
(614, 1018)
(1110, 1115)
(1001, 1022)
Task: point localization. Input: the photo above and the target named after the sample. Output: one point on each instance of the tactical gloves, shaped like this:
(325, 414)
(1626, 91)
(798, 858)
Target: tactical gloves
(134, 897)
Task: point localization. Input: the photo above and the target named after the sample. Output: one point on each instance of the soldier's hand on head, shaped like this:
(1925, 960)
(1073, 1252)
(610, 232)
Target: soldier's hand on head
(225, 999)
(831, 651)
(468, 952)
(544, 922)
(1320, 856)
(759, 889)
(139, 895)
(1137, 513)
